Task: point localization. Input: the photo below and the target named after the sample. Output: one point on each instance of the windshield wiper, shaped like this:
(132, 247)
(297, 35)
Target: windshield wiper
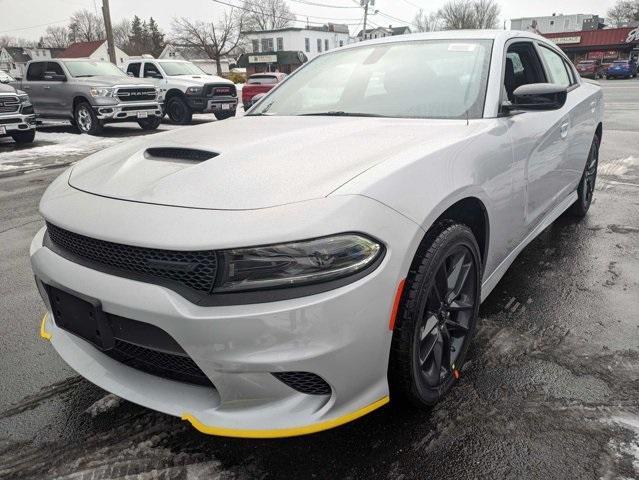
(339, 113)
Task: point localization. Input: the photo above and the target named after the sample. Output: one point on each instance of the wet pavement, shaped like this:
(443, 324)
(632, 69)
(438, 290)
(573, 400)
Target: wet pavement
(550, 390)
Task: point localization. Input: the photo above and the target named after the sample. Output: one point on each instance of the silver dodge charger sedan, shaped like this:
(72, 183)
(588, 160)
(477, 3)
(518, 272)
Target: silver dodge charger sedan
(292, 270)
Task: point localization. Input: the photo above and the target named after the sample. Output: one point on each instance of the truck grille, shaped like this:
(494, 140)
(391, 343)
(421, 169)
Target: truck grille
(135, 94)
(193, 269)
(9, 104)
(214, 90)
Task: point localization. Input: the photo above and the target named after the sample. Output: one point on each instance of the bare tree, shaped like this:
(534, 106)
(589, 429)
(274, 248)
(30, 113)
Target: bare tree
(56, 37)
(9, 41)
(86, 26)
(623, 12)
(469, 14)
(267, 14)
(122, 35)
(427, 22)
(214, 39)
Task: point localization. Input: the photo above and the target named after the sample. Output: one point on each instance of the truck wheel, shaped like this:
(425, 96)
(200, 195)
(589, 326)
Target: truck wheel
(24, 137)
(178, 111)
(150, 123)
(224, 115)
(86, 119)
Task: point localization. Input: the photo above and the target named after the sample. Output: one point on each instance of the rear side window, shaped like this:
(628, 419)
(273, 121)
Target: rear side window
(36, 71)
(55, 67)
(151, 71)
(556, 67)
(134, 69)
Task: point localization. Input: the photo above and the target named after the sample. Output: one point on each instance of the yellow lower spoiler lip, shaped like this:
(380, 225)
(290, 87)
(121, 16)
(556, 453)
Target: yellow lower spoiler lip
(43, 328)
(284, 432)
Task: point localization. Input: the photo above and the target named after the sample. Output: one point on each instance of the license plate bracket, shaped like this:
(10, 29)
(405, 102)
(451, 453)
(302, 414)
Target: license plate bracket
(82, 316)
(143, 114)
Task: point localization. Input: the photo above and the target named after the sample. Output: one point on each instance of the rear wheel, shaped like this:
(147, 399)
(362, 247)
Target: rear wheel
(437, 317)
(23, 137)
(224, 115)
(178, 111)
(86, 120)
(151, 123)
(586, 187)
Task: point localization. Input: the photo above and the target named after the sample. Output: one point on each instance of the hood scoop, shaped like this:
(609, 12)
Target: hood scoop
(178, 153)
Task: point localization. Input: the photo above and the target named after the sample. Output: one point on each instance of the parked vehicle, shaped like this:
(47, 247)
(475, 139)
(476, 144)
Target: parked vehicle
(622, 69)
(297, 266)
(17, 119)
(259, 83)
(589, 69)
(90, 94)
(187, 88)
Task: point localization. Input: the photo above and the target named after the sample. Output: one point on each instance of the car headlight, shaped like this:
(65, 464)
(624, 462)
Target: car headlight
(296, 263)
(101, 92)
(24, 99)
(194, 90)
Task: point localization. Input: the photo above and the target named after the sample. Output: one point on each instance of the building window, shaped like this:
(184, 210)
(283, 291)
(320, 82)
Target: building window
(326, 44)
(341, 43)
(280, 44)
(319, 44)
(256, 46)
(267, 45)
(307, 45)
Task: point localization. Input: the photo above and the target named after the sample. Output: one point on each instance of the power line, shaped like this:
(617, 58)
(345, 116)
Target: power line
(314, 4)
(287, 18)
(35, 26)
(395, 18)
(413, 4)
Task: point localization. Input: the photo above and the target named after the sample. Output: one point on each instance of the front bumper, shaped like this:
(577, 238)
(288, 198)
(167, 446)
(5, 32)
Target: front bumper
(16, 122)
(341, 335)
(127, 111)
(212, 104)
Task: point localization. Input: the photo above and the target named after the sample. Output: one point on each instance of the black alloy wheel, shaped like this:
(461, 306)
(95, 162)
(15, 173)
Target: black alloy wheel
(586, 187)
(178, 111)
(224, 115)
(437, 317)
(151, 123)
(23, 137)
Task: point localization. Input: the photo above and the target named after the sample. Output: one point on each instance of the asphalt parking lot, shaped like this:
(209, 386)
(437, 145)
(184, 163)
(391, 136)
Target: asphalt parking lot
(550, 391)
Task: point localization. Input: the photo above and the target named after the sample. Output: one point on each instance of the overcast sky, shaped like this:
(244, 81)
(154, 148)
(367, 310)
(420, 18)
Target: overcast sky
(29, 18)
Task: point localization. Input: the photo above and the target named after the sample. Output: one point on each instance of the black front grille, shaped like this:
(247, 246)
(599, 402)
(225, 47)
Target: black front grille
(7, 121)
(304, 382)
(214, 90)
(166, 365)
(136, 94)
(193, 269)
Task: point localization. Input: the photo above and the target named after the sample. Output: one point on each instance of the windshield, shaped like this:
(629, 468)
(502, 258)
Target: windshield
(418, 79)
(93, 69)
(181, 68)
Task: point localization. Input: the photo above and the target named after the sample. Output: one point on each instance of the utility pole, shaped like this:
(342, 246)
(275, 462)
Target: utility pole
(106, 13)
(365, 4)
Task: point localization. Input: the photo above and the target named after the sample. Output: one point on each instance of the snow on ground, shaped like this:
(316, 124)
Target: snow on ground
(619, 166)
(57, 144)
(105, 404)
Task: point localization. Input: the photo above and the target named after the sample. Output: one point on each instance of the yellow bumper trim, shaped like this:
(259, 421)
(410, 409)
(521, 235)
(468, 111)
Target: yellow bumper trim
(43, 328)
(284, 432)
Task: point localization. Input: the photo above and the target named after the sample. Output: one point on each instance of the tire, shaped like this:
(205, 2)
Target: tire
(178, 111)
(86, 120)
(224, 115)
(586, 187)
(449, 253)
(151, 123)
(23, 137)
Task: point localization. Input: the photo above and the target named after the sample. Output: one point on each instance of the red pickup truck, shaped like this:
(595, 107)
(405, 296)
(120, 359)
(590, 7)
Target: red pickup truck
(259, 83)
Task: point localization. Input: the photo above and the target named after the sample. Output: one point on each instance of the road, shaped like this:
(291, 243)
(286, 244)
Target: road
(551, 389)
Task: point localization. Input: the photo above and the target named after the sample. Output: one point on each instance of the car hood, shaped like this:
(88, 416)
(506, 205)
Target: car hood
(110, 80)
(200, 79)
(261, 161)
(4, 88)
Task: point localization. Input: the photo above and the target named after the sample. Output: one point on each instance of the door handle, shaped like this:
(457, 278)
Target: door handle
(593, 106)
(564, 129)
(47, 87)
(26, 87)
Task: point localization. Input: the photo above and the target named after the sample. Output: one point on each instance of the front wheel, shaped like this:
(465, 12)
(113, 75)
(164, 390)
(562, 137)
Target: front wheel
(224, 115)
(86, 120)
(151, 123)
(437, 316)
(23, 137)
(178, 111)
(586, 187)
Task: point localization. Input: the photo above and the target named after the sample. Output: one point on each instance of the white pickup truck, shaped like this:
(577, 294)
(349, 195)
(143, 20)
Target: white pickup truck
(187, 89)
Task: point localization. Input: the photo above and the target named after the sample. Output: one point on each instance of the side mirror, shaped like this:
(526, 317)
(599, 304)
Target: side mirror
(258, 97)
(130, 74)
(538, 96)
(54, 77)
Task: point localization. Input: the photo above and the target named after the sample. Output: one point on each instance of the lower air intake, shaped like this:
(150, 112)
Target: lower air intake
(304, 382)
